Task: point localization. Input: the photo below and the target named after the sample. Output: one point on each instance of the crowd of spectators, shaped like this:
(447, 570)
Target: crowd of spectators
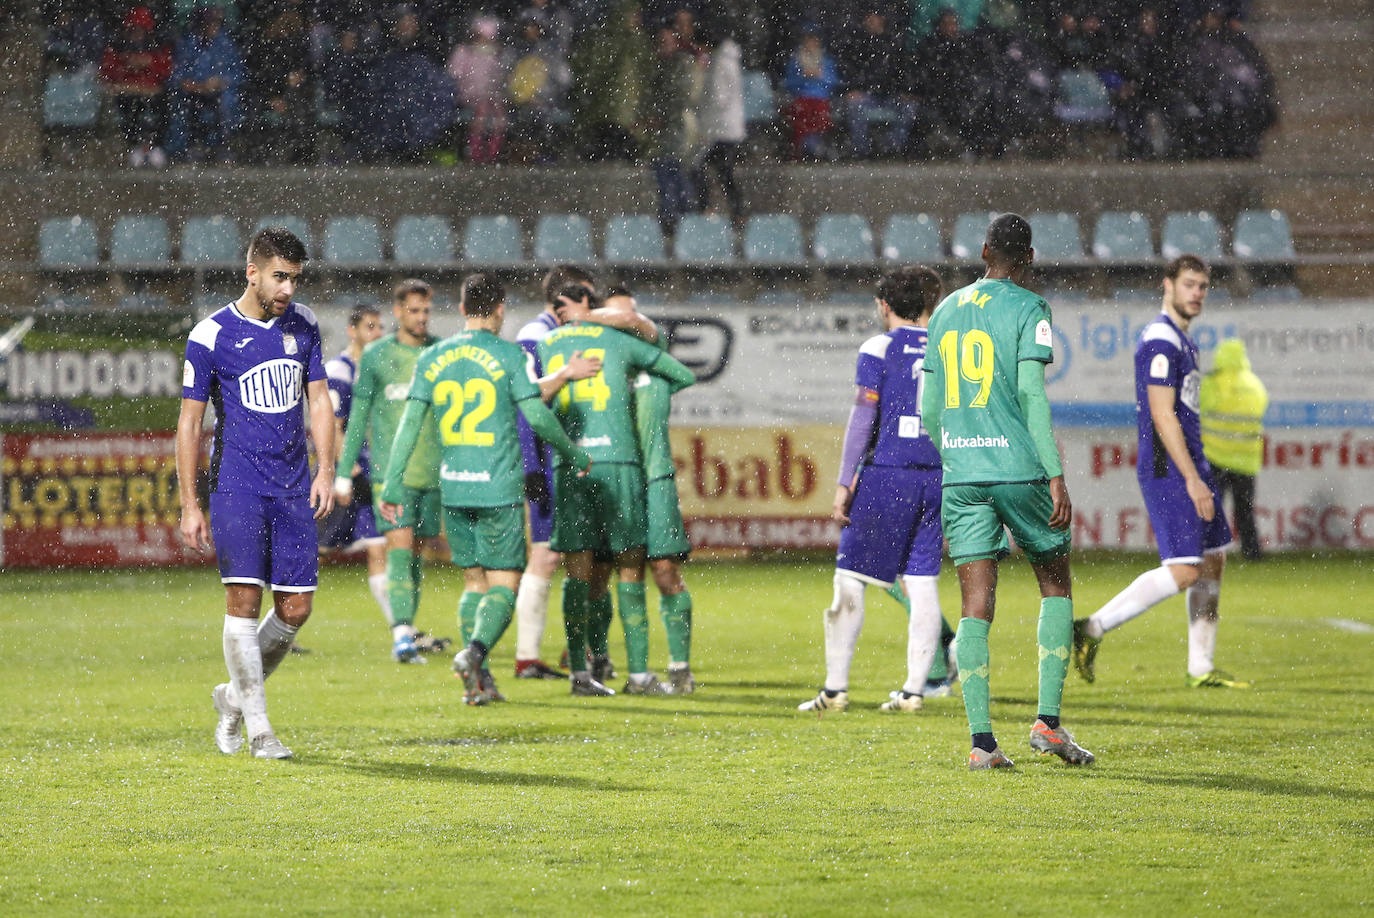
(659, 82)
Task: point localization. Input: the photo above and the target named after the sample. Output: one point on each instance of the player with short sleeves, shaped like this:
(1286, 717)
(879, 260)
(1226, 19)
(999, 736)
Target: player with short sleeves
(257, 360)
(1176, 481)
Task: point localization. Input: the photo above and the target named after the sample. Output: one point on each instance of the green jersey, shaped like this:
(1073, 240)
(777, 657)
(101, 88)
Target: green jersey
(978, 337)
(596, 412)
(379, 399)
(473, 383)
(652, 404)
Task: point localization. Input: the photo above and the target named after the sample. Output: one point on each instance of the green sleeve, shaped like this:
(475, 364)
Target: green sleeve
(407, 435)
(670, 368)
(364, 391)
(545, 425)
(1035, 407)
(932, 405)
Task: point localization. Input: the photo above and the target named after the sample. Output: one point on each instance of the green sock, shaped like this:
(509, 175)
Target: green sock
(467, 613)
(971, 654)
(417, 574)
(634, 616)
(575, 622)
(1054, 635)
(939, 668)
(676, 611)
(493, 615)
(600, 611)
(398, 585)
(899, 595)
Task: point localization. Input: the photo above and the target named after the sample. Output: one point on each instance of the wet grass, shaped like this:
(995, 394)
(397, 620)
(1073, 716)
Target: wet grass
(401, 801)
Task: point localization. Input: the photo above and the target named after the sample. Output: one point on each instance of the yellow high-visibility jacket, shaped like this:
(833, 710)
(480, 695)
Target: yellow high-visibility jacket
(1232, 404)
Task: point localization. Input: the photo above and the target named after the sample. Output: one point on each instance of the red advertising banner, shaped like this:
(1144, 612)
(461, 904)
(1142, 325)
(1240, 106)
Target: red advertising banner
(90, 500)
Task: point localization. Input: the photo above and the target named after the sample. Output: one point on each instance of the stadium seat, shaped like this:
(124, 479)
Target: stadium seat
(1083, 98)
(1196, 232)
(493, 241)
(298, 227)
(760, 104)
(210, 241)
(563, 238)
(1275, 294)
(633, 240)
(704, 240)
(1055, 237)
(68, 242)
(970, 230)
(71, 100)
(912, 238)
(422, 240)
(140, 240)
(779, 296)
(1123, 235)
(352, 241)
(1263, 235)
(1135, 295)
(843, 239)
(773, 239)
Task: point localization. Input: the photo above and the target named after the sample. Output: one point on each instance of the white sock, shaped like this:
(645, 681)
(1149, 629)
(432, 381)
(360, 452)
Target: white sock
(843, 622)
(377, 584)
(274, 641)
(922, 631)
(403, 630)
(531, 611)
(243, 658)
(1203, 599)
(1151, 587)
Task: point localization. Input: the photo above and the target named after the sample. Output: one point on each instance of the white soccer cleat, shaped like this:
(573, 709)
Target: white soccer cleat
(826, 701)
(228, 738)
(900, 702)
(649, 685)
(267, 746)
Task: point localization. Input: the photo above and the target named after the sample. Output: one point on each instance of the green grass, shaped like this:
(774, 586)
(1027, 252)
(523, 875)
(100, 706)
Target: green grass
(402, 801)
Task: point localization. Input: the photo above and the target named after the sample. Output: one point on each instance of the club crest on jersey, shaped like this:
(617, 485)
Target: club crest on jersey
(288, 342)
(272, 387)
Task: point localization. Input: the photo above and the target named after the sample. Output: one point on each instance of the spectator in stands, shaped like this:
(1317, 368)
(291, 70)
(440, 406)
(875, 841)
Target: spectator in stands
(671, 127)
(1232, 86)
(875, 66)
(416, 99)
(135, 69)
(347, 81)
(76, 36)
(480, 69)
(1066, 41)
(811, 79)
(925, 15)
(281, 87)
(1146, 99)
(612, 68)
(684, 23)
(955, 77)
(558, 24)
(721, 122)
(538, 90)
(207, 74)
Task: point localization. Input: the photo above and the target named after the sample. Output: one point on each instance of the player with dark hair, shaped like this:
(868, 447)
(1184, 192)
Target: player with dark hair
(256, 360)
(1177, 484)
(888, 496)
(984, 404)
(468, 388)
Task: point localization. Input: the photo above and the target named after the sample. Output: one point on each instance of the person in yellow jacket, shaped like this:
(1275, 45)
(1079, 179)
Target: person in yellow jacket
(1232, 402)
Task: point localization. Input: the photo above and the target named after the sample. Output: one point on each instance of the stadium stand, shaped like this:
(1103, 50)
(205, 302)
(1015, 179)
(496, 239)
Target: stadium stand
(563, 238)
(773, 240)
(634, 241)
(1195, 232)
(912, 237)
(68, 242)
(494, 241)
(705, 240)
(211, 242)
(140, 241)
(843, 239)
(423, 240)
(353, 241)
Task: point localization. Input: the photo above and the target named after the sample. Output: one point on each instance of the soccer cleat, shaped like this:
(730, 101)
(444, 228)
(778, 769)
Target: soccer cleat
(1084, 650)
(298, 649)
(428, 643)
(603, 670)
(982, 760)
(584, 685)
(826, 701)
(267, 746)
(900, 702)
(563, 662)
(1058, 742)
(682, 681)
(939, 688)
(650, 686)
(489, 690)
(1217, 679)
(228, 739)
(405, 651)
(468, 667)
(536, 669)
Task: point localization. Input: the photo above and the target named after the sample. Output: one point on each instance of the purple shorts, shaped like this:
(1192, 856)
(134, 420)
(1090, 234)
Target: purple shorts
(895, 525)
(268, 541)
(1183, 536)
(541, 523)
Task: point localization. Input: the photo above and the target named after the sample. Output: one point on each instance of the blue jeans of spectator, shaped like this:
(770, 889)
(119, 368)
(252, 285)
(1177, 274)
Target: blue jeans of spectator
(857, 110)
(675, 195)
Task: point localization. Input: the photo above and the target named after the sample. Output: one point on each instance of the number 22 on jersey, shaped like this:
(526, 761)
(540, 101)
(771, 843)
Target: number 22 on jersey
(469, 404)
(971, 359)
(593, 389)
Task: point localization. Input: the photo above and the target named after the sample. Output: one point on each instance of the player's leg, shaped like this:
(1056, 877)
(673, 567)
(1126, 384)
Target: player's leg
(626, 526)
(499, 538)
(668, 548)
(400, 588)
(600, 614)
(376, 577)
(1204, 598)
(576, 532)
(921, 569)
(532, 609)
(1054, 634)
(429, 522)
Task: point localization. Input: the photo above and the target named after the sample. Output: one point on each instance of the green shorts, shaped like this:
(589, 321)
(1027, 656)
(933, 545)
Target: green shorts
(424, 512)
(603, 510)
(492, 538)
(667, 534)
(976, 519)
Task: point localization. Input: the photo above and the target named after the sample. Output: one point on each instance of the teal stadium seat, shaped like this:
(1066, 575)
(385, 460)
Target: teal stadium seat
(563, 238)
(633, 240)
(912, 238)
(68, 242)
(1055, 237)
(352, 241)
(493, 241)
(71, 100)
(298, 227)
(140, 239)
(1083, 98)
(843, 239)
(773, 239)
(705, 240)
(1274, 294)
(1263, 235)
(211, 241)
(760, 103)
(970, 231)
(1194, 231)
(1123, 235)
(422, 239)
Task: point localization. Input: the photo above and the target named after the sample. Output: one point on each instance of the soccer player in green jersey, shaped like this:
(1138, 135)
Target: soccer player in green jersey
(985, 407)
(467, 390)
(379, 399)
(606, 509)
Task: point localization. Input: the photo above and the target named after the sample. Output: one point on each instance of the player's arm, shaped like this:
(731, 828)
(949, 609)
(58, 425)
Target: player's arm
(195, 532)
(577, 367)
(631, 321)
(322, 423)
(546, 426)
(859, 434)
(364, 393)
(407, 435)
(666, 366)
(932, 402)
(1170, 433)
(1035, 408)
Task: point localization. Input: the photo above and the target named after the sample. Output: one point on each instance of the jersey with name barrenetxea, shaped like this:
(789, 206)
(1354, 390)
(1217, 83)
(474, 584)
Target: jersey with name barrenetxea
(1166, 356)
(384, 377)
(474, 383)
(980, 334)
(254, 373)
(890, 366)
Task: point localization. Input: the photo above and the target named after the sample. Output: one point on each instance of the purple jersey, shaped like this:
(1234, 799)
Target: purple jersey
(538, 456)
(1166, 356)
(255, 374)
(343, 373)
(890, 365)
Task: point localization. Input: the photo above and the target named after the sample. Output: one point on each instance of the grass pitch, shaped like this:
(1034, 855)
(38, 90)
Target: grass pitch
(402, 801)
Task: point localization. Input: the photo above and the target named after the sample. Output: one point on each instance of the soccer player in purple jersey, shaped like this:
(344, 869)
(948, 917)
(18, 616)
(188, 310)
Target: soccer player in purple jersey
(1177, 484)
(257, 359)
(891, 515)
